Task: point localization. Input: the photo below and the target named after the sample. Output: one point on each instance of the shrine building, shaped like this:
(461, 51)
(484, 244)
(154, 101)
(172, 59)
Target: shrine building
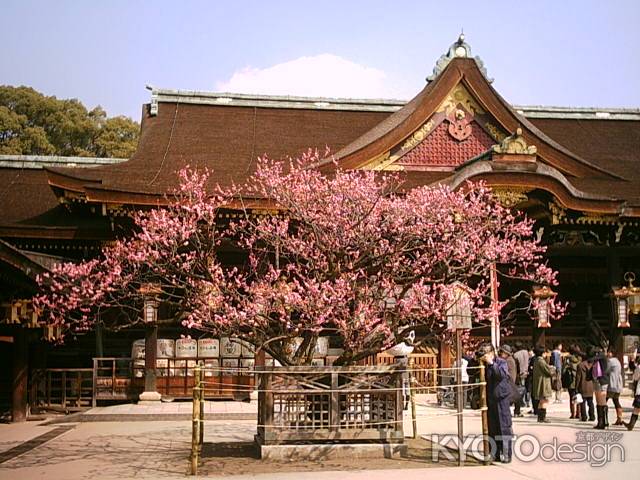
(575, 171)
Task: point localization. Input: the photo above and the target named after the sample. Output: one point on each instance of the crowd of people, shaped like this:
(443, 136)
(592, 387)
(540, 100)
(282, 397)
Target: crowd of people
(522, 376)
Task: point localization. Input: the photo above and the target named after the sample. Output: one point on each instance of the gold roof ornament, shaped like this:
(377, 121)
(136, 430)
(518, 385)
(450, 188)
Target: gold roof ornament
(515, 145)
(509, 197)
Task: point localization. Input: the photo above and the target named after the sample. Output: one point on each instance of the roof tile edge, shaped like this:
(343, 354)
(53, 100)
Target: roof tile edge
(36, 162)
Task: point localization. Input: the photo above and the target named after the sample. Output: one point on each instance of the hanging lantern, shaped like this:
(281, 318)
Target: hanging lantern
(150, 311)
(544, 296)
(150, 291)
(627, 301)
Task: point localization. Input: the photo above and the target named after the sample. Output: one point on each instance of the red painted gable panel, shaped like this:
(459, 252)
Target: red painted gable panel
(441, 149)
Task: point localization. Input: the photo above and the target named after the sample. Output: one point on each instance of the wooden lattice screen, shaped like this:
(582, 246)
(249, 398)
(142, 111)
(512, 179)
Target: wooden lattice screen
(330, 403)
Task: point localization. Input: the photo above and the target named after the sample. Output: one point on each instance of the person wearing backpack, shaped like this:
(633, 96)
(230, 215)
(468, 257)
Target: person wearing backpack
(569, 371)
(600, 373)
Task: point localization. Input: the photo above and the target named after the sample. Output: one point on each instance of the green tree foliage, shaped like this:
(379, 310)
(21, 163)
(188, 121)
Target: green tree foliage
(34, 124)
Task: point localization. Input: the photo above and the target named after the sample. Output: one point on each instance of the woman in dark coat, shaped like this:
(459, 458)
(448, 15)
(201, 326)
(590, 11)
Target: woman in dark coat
(584, 386)
(499, 398)
(570, 369)
(541, 388)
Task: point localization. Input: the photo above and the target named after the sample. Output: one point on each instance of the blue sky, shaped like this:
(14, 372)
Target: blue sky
(570, 53)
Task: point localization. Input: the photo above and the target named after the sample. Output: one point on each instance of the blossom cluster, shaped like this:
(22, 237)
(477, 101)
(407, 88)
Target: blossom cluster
(350, 254)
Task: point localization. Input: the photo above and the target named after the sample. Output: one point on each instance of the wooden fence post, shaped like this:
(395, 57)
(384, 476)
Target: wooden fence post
(94, 383)
(412, 395)
(334, 409)
(200, 380)
(485, 419)
(195, 423)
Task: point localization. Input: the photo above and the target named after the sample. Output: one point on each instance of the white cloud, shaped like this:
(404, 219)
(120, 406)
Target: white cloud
(322, 75)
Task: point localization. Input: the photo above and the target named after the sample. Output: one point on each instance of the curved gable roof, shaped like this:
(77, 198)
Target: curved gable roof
(401, 124)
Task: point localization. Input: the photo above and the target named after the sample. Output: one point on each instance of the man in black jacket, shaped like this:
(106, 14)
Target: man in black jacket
(499, 398)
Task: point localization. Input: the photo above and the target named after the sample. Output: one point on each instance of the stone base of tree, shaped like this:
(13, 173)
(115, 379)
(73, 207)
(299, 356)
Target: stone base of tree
(149, 398)
(315, 452)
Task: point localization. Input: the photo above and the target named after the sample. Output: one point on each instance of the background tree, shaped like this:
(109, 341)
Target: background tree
(34, 124)
(349, 255)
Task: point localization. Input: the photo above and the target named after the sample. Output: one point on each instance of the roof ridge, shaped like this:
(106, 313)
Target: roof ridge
(200, 97)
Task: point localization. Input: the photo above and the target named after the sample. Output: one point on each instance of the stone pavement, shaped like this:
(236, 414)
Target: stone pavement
(160, 449)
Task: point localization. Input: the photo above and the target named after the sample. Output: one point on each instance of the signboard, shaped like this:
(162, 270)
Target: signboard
(208, 348)
(137, 350)
(230, 348)
(459, 310)
(166, 348)
(186, 347)
(322, 347)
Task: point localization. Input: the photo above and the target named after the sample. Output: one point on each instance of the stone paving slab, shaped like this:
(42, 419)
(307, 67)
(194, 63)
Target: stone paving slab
(29, 445)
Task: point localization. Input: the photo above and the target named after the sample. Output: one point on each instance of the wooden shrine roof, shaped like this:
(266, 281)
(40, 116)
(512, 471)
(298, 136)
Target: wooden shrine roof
(588, 155)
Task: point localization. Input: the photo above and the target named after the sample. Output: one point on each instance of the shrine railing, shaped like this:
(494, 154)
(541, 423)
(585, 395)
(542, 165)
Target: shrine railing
(62, 389)
(112, 379)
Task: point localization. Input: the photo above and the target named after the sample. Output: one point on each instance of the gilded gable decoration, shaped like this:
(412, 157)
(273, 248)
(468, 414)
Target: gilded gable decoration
(494, 131)
(459, 125)
(515, 145)
(418, 136)
(510, 196)
(460, 96)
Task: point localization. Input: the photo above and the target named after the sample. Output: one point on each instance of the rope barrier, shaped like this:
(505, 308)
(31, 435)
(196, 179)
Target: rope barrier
(249, 388)
(286, 410)
(248, 371)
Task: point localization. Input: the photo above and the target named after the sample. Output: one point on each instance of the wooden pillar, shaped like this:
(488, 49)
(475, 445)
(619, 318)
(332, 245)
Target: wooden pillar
(20, 376)
(444, 355)
(99, 338)
(150, 358)
(539, 337)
